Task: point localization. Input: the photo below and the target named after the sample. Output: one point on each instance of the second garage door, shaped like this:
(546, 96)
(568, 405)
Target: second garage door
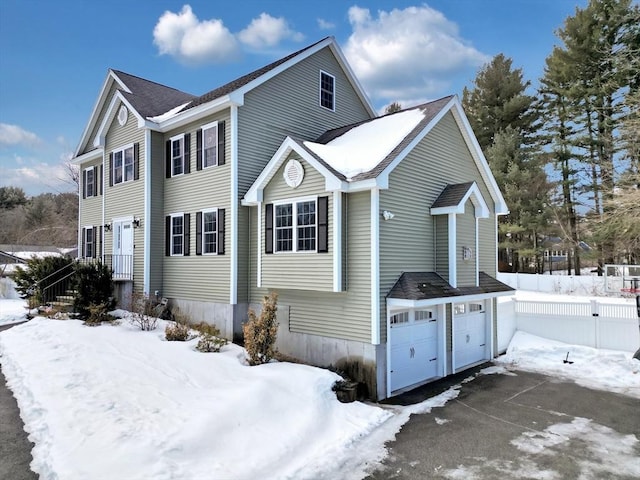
(469, 334)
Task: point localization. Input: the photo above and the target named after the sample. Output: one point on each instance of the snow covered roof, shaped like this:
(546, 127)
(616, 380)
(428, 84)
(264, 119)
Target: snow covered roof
(363, 150)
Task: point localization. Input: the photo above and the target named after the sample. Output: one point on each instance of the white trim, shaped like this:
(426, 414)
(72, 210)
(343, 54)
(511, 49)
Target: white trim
(294, 226)
(87, 157)
(233, 125)
(100, 140)
(147, 213)
(202, 232)
(452, 251)
(453, 340)
(333, 92)
(388, 351)
(477, 253)
(133, 166)
(490, 311)
(208, 126)
(375, 266)
(104, 197)
(289, 145)
(337, 241)
(259, 243)
(480, 206)
(399, 303)
(175, 138)
(176, 215)
(84, 183)
(193, 114)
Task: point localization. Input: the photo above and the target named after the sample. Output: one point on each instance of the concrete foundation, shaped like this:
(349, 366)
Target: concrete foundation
(218, 314)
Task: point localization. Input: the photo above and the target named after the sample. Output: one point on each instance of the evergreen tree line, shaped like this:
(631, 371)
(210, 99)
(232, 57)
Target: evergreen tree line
(45, 219)
(567, 156)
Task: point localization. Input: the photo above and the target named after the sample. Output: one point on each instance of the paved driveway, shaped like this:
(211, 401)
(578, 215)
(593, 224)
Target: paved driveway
(521, 426)
(15, 449)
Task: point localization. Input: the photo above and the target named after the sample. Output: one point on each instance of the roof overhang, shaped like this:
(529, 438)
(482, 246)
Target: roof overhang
(481, 208)
(87, 157)
(396, 303)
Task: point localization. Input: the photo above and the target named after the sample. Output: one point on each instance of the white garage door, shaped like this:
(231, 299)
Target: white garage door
(413, 339)
(469, 334)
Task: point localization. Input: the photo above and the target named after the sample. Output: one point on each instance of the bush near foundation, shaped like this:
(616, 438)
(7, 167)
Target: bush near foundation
(261, 331)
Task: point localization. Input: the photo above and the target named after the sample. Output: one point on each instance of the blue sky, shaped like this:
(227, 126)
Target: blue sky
(54, 55)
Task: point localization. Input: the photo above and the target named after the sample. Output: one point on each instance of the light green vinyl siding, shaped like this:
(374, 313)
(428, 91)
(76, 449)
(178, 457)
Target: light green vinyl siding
(288, 105)
(103, 111)
(91, 207)
(346, 314)
(126, 199)
(406, 241)
(466, 237)
(298, 270)
(205, 278)
(442, 245)
(156, 222)
(487, 231)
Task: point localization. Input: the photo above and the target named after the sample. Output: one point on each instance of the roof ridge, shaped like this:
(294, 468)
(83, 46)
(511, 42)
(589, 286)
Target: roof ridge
(120, 72)
(248, 77)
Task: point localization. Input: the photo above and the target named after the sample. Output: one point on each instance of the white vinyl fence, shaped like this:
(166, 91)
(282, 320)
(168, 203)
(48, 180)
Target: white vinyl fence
(574, 284)
(596, 323)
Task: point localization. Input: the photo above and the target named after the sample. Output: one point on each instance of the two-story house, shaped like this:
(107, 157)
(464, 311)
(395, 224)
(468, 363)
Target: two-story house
(378, 233)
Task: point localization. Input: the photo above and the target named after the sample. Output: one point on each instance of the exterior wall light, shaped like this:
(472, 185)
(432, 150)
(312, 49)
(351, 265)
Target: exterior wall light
(387, 215)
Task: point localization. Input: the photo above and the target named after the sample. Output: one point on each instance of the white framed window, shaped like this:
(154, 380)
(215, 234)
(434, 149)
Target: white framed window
(90, 182)
(327, 90)
(459, 308)
(89, 242)
(210, 145)
(400, 318)
(295, 226)
(177, 234)
(476, 307)
(177, 155)
(123, 165)
(209, 232)
(423, 315)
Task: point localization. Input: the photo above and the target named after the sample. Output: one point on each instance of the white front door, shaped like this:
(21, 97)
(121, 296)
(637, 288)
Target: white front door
(470, 341)
(122, 261)
(413, 339)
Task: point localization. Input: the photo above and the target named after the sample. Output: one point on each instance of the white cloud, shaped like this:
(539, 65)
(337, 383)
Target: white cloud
(35, 177)
(15, 135)
(325, 25)
(267, 31)
(189, 40)
(408, 54)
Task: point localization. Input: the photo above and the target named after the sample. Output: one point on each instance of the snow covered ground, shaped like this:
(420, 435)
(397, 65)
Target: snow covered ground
(114, 402)
(12, 310)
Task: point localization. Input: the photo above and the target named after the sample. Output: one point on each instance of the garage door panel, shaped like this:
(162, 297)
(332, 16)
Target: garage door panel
(413, 353)
(470, 338)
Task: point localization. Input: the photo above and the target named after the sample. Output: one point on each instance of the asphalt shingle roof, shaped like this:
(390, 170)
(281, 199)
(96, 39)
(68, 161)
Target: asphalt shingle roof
(430, 285)
(150, 98)
(242, 81)
(452, 195)
(429, 110)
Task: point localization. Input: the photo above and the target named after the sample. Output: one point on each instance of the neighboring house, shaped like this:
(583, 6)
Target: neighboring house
(378, 234)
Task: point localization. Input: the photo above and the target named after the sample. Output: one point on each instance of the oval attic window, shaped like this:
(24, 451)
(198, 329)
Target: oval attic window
(293, 173)
(123, 114)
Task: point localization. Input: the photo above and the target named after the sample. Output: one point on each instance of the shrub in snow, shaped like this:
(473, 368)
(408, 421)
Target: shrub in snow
(260, 332)
(142, 312)
(209, 341)
(30, 279)
(99, 313)
(93, 285)
(177, 332)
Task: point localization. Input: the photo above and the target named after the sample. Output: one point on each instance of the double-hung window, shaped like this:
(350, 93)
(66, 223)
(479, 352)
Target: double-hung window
(327, 90)
(210, 232)
(89, 178)
(177, 234)
(297, 225)
(210, 145)
(89, 242)
(122, 165)
(178, 155)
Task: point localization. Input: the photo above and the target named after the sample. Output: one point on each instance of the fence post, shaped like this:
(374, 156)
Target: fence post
(595, 313)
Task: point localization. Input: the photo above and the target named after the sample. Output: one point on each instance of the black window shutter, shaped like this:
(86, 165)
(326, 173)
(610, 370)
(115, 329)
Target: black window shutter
(199, 149)
(167, 172)
(111, 169)
(187, 153)
(83, 246)
(94, 241)
(187, 234)
(167, 235)
(198, 233)
(101, 177)
(268, 228)
(323, 224)
(136, 161)
(84, 184)
(99, 242)
(221, 143)
(220, 224)
(95, 181)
